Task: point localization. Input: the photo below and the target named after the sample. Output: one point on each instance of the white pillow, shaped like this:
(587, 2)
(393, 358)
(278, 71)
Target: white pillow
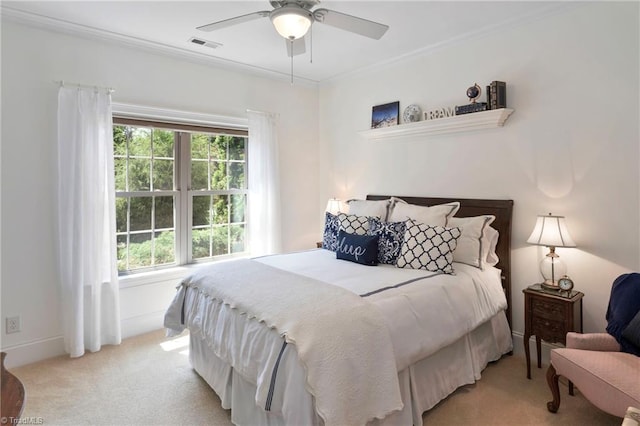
(428, 247)
(378, 208)
(492, 257)
(473, 244)
(434, 215)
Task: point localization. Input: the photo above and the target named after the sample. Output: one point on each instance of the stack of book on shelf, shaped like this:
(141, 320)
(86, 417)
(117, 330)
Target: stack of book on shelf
(496, 98)
(474, 107)
(497, 95)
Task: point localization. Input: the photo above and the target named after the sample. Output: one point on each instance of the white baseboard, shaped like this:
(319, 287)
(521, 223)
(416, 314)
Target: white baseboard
(142, 324)
(38, 350)
(27, 353)
(518, 349)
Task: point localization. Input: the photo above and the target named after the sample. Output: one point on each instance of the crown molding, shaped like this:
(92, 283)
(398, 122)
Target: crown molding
(56, 25)
(553, 8)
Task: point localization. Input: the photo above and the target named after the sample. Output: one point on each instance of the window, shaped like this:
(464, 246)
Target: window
(181, 194)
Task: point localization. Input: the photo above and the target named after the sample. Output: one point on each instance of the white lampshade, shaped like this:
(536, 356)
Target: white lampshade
(551, 231)
(291, 22)
(333, 206)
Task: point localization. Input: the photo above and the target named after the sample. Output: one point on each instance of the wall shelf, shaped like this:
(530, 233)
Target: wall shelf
(459, 123)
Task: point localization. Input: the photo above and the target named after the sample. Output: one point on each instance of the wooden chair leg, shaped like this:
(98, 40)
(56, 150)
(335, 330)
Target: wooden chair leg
(12, 396)
(552, 381)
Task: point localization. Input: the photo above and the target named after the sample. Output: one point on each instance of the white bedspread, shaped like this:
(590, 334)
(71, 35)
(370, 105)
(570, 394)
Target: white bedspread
(423, 315)
(339, 337)
(423, 312)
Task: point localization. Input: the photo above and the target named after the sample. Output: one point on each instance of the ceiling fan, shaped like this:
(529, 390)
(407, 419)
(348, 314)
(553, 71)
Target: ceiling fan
(293, 18)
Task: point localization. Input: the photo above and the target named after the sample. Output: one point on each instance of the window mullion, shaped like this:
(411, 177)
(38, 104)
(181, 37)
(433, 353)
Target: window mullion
(185, 200)
(211, 225)
(153, 200)
(126, 187)
(128, 230)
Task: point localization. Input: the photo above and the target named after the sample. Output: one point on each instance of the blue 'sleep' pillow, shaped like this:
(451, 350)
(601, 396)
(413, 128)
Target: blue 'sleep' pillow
(357, 248)
(391, 236)
(330, 235)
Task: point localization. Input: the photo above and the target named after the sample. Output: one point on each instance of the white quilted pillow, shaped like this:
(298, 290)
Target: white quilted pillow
(378, 208)
(474, 243)
(433, 215)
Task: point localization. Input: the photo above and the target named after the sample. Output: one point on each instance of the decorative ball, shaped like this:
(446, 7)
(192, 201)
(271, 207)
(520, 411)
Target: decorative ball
(412, 113)
(473, 92)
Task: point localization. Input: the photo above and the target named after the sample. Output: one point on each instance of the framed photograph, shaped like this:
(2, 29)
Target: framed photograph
(385, 115)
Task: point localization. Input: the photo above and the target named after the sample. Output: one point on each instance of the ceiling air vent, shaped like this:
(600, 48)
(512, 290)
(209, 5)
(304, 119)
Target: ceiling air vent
(201, 42)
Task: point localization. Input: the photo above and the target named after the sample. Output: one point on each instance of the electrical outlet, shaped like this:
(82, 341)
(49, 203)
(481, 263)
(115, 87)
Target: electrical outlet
(13, 324)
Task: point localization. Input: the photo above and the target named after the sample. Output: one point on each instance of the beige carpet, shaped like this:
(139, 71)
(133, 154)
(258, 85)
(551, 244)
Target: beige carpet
(148, 381)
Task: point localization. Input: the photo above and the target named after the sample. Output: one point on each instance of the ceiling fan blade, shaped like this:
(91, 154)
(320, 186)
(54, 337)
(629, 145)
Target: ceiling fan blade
(233, 21)
(295, 48)
(350, 23)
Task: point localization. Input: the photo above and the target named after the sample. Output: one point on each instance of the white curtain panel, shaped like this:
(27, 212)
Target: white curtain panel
(86, 221)
(264, 184)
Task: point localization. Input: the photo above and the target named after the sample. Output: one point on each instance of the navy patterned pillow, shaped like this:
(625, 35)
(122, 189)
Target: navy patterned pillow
(330, 235)
(354, 224)
(358, 248)
(390, 239)
(428, 247)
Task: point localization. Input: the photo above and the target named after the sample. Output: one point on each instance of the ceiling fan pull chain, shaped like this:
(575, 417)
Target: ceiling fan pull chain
(311, 44)
(291, 41)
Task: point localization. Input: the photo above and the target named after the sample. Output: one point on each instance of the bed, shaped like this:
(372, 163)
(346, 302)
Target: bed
(307, 339)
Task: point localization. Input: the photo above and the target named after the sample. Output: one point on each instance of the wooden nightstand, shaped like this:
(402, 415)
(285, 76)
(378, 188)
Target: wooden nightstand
(549, 316)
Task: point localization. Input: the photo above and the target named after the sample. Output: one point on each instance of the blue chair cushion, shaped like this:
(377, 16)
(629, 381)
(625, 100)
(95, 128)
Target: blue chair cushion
(624, 305)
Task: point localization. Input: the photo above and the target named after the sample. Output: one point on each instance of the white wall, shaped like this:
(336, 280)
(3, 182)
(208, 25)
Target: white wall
(31, 59)
(571, 147)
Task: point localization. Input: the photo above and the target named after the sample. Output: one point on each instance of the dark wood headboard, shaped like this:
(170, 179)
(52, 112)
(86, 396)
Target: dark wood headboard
(501, 209)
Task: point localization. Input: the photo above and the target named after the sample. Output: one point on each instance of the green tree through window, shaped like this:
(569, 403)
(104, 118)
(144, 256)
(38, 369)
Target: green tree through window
(157, 206)
(218, 183)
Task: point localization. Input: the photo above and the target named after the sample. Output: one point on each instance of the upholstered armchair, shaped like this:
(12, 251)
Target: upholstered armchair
(608, 378)
(604, 366)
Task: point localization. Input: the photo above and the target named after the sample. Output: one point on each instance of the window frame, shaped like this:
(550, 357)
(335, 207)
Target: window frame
(183, 124)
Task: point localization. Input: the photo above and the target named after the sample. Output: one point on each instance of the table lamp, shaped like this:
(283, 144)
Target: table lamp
(333, 206)
(551, 231)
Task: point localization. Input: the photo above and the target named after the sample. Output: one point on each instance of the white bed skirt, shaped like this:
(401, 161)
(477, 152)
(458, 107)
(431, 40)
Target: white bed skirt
(422, 384)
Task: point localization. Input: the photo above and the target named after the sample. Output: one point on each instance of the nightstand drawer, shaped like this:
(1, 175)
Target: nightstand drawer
(551, 331)
(544, 308)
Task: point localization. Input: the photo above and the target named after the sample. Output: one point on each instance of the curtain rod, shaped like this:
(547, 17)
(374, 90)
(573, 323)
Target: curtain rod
(63, 83)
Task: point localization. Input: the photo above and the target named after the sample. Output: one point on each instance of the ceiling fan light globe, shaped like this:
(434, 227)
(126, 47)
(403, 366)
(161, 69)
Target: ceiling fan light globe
(291, 22)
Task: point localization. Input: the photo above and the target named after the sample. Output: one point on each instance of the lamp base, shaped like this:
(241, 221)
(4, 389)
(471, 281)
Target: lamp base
(552, 268)
(550, 285)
